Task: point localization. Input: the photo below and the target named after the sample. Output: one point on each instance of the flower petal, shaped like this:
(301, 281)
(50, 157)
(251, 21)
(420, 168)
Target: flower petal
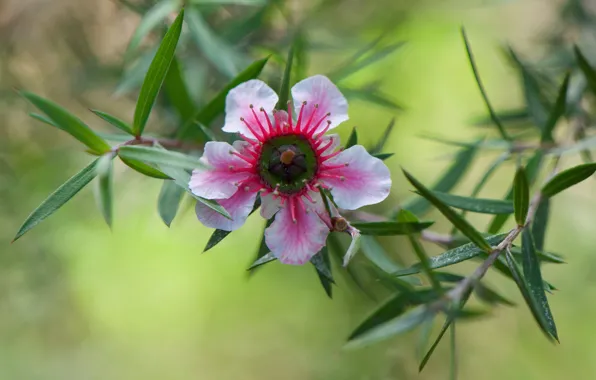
(320, 91)
(295, 243)
(335, 141)
(238, 206)
(238, 103)
(364, 181)
(218, 182)
(269, 206)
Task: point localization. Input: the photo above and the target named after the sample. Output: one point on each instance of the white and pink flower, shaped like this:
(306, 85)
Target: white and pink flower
(286, 159)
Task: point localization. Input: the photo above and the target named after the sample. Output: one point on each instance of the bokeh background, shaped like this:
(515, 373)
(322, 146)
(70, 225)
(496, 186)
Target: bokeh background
(78, 301)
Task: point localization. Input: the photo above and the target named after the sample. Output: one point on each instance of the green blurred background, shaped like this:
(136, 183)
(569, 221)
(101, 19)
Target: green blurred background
(78, 301)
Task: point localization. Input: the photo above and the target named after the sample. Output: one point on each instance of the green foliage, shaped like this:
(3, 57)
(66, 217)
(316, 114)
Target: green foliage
(114, 121)
(391, 228)
(169, 201)
(568, 178)
(105, 187)
(521, 196)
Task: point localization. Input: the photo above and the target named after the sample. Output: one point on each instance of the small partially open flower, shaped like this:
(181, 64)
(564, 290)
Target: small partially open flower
(287, 159)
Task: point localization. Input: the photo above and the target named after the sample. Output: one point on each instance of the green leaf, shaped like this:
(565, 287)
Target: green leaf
(489, 296)
(519, 116)
(264, 259)
(393, 308)
(44, 119)
(322, 265)
(491, 111)
(58, 198)
(535, 284)
(168, 201)
(390, 228)
(383, 156)
(451, 177)
(225, 2)
(151, 20)
(105, 187)
(568, 178)
(263, 249)
(216, 237)
(143, 168)
(479, 205)
(556, 112)
(354, 246)
(284, 91)
(460, 223)
(546, 257)
(376, 150)
(216, 106)
(223, 56)
(156, 74)
(359, 61)
(402, 324)
(113, 120)
(586, 69)
(521, 196)
(539, 223)
(377, 255)
(177, 92)
(68, 122)
(371, 96)
(158, 156)
(531, 289)
(452, 256)
(353, 139)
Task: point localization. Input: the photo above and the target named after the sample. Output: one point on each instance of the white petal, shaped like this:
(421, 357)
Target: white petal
(269, 206)
(364, 181)
(295, 243)
(319, 90)
(238, 206)
(238, 103)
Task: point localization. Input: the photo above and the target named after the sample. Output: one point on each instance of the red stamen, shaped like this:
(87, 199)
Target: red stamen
(324, 148)
(299, 122)
(326, 175)
(265, 134)
(307, 196)
(329, 156)
(283, 201)
(301, 203)
(323, 186)
(268, 120)
(247, 159)
(308, 123)
(331, 167)
(242, 170)
(251, 129)
(324, 129)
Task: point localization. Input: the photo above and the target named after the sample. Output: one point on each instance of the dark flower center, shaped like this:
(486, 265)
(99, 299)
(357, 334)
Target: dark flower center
(287, 163)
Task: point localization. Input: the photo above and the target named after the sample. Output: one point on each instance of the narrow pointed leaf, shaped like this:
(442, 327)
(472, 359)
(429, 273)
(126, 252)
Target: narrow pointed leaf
(143, 168)
(586, 69)
(358, 63)
(556, 112)
(169, 201)
(353, 139)
(113, 120)
(451, 177)
(58, 198)
(568, 178)
(151, 20)
(383, 156)
(523, 288)
(536, 103)
(264, 259)
(376, 150)
(68, 123)
(216, 237)
(490, 296)
(402, 324)
(263, 249)
(491, 111)
(156, 74)
(432, 348)
(284, 91)
(460, 223)
(322, 265)
(159, 156)
(452, 256)
(371, 96)
(390, 228)
(105, 187)
(377, 255)
(521, 196)
(216, 106)
(177, 92)
(539, 224)
(479, 205)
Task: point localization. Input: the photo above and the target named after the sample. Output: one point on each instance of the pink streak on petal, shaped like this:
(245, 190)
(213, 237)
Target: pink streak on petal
(218, 182)
(320, 90)
(295, 243)
(366, 179)
(238, 206)
(238, 103)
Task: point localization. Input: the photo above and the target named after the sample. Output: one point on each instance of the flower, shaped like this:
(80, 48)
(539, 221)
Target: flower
(286, 159)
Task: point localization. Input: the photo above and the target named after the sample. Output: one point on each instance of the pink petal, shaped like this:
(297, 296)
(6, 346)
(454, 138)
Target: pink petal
(238, 206)
(269, 206)
(295, 243)
(218, 182)
(319, 90)
(238, 103)
(365, 181)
